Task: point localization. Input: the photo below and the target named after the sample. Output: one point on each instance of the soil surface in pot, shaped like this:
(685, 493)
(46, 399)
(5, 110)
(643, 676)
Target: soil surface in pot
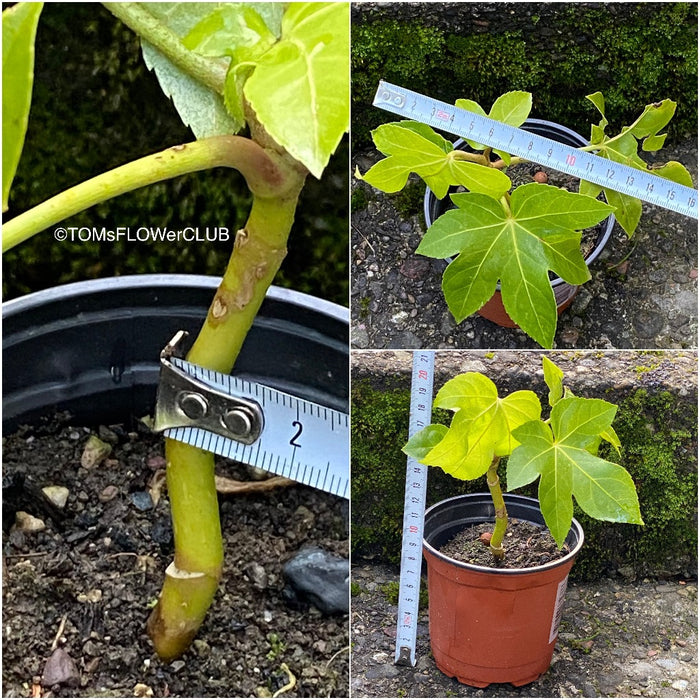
(86, 582)
(526, 545)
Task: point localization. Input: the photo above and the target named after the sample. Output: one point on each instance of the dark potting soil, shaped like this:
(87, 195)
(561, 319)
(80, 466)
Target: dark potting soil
(86, 582)
(526, 545)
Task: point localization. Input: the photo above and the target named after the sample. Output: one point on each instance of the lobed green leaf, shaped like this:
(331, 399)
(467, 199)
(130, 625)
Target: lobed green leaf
(413, 147)
(299, 89)
(562, 455)
(482, 427)
(517, 246)
(422, 442)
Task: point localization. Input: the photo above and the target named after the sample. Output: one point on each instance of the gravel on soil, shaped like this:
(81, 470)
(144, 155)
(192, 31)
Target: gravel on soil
(643, 292)
(615, 640)
(85, 583)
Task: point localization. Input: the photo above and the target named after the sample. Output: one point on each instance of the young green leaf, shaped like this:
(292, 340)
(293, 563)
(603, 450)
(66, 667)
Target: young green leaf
(241, 32)
(624, 147)
(200, 106)
(510, 108)
(299, 89)
(559, 454)
(553, 378)
(422, 442)
(481, 428)
(412, 147)
(516, 245)
(19, 24)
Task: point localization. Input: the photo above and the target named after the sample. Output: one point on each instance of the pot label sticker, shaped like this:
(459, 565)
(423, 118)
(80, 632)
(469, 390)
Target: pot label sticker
(558, 609)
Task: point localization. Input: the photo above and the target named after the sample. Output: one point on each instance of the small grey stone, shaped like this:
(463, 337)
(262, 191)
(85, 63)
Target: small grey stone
(321, 578)
(257, 575)
(60, 669)
(142, 500)
(107, 435)
(382, 671)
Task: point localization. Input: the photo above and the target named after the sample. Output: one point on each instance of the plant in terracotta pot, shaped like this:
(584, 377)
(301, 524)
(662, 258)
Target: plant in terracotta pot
(513, 236)
(279, 70)
(490, 622)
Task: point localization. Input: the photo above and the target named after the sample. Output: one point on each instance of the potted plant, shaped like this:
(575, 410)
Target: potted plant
(279, 70)
(496, 621)
(512, 237)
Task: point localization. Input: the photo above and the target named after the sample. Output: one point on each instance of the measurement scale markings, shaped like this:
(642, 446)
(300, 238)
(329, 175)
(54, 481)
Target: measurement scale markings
(539, 149)
(314, 440)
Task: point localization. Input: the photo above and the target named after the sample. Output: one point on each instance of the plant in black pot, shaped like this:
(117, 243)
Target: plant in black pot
(507, 234)
(281, 71)
(496, 585)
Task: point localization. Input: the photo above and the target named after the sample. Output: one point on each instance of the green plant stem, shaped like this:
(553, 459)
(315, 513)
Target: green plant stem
(192, 580)
(501, 524)
(208, 71)
(261, 171)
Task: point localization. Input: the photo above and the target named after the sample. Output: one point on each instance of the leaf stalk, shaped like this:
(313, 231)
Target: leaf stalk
(264, 171)
(208, 71)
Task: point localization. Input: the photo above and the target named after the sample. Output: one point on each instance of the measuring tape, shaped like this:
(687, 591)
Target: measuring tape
(413, 513)
(538, 149)
(253, 424)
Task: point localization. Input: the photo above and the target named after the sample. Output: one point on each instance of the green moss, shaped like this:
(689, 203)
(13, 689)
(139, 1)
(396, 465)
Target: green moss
(659, 438)
(392, 51)
(409, 201)
(358, 199)
(379, 430)
(659, 449)
(391, 593)
(648, 53)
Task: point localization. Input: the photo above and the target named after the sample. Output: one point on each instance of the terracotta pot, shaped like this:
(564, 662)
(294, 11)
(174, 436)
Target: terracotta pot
(492, 625)
(564, 293)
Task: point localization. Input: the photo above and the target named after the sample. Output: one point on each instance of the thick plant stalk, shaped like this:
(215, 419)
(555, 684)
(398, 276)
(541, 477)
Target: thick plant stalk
(191, 581)
(499, 503)
(275, 181)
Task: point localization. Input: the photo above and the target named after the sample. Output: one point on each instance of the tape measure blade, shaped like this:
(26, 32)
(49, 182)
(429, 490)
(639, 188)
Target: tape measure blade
(544, 151)
(413, 513)
(301, 440)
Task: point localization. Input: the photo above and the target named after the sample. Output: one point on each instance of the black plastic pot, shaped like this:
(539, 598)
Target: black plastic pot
(563, 292)
(92, 348)
(492, 625)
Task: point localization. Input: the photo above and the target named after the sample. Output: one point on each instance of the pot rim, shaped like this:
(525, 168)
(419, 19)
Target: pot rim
(609, 222)
(165, 281)
(514, 498)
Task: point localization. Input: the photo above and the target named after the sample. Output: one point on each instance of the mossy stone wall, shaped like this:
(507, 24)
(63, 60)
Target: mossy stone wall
(635, 53)
(96, 106)
(656, 423)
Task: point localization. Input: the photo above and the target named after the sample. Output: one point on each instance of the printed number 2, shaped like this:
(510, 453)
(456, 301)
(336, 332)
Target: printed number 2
(299, 428)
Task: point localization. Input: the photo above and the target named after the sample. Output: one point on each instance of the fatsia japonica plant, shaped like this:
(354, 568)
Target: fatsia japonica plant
(514, 236)
(281, 71)
(561, 450)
